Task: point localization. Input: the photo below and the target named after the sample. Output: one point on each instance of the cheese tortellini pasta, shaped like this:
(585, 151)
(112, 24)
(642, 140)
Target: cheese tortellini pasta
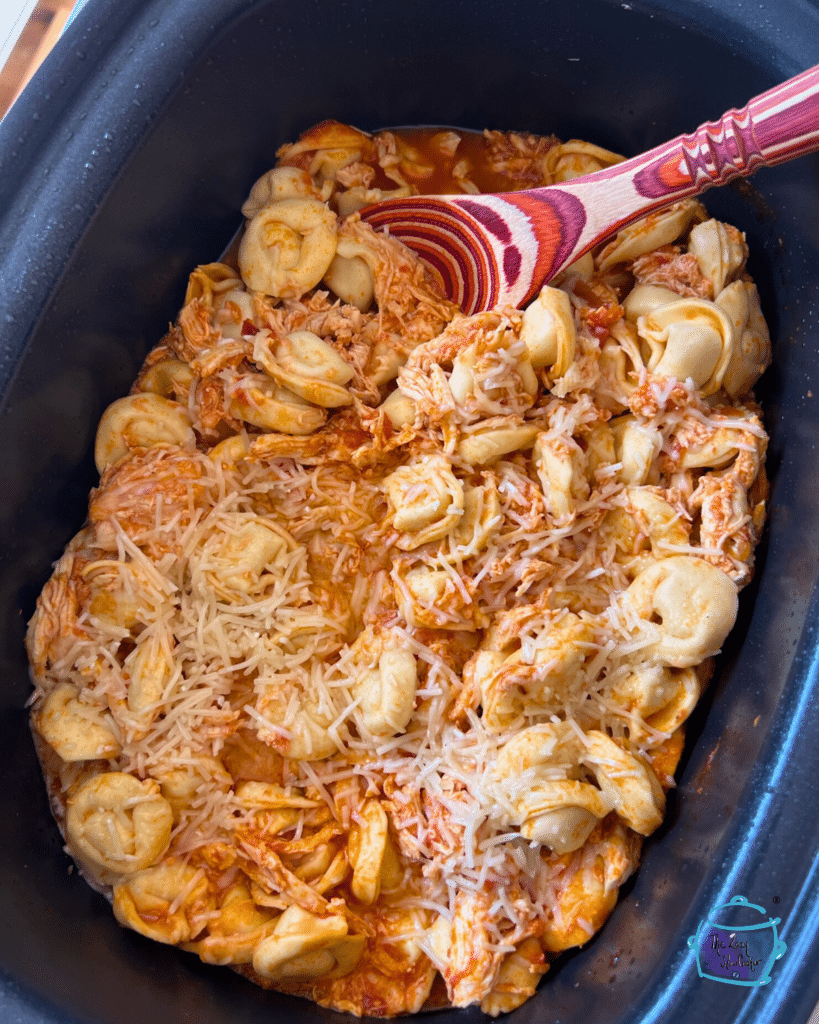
(369, 672)
(288, 247)
(305, 946)
(118, 824)
(139, 421)
(150, 902)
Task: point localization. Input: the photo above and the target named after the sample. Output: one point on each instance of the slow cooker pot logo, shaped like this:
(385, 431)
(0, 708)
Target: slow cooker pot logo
(734, 946)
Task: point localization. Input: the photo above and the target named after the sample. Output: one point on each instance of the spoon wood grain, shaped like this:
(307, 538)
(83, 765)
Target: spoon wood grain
(491, 249)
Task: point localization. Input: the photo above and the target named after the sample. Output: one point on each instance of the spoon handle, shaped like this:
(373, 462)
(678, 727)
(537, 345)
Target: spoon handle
(776, 126)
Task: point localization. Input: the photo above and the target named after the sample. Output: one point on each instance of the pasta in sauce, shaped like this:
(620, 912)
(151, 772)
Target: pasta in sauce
(369, 671)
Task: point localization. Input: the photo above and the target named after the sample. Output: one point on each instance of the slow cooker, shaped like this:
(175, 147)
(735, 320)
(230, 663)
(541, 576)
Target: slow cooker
(125, 163)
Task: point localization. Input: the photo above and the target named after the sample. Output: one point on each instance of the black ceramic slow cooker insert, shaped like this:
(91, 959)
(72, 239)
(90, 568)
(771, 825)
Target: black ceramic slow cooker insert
(125, 163)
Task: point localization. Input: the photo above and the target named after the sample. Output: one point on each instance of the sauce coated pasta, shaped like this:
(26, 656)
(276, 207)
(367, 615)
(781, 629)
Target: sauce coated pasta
(369, 671)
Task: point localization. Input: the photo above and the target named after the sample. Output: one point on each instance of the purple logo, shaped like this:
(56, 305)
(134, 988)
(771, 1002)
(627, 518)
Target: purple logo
(735, 947)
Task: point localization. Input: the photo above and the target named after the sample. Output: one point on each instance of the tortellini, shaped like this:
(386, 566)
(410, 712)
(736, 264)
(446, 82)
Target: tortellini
(658, 519)
(232, 311)
(631, 786)
(481, 518)
(287, 247)
(114, 822)
(270, 796)
(301, 735)
(75, 730)
(549, 331)
(695, 603)
(561, 813)
(513, 678)
(542, 767)
(554, 810)
(644, 528)
(427, 501)
(140, 421)
(385, 363)
(304, 946)
(352, 280)
(179, 785)
(561, 470)
(690, 338)
(399, 409)
(249, 550)
(210, 283)
(311, 369)
(719, 446)
(643, 299)
(649, 233)
(493, 375)
(150, 668)
(242, 555)
(663, 697)
(278, 184)
(385, 685)
(124, 596)
(592, 888)
(357, 197)
(434, 597)
(485, 445)
(273, 407)
(575, 158)
(232, 450)
(150, 902)
(371, 854)
(240, 927)
(752, 341)
(517, 979)
(720, 250)
(638, 445)
(169, 378)
(326, 149)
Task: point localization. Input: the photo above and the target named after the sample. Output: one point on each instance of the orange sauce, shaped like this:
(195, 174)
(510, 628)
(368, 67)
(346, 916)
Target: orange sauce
(473, 148)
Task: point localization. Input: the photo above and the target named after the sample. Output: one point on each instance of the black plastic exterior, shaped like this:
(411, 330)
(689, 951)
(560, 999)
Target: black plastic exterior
(124, 164)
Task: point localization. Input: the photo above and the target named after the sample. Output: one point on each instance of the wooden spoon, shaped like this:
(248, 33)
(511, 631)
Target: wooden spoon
(493, 249)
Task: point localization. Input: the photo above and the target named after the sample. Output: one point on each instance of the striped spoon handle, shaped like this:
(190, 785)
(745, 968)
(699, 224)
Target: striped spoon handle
(491, 249)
